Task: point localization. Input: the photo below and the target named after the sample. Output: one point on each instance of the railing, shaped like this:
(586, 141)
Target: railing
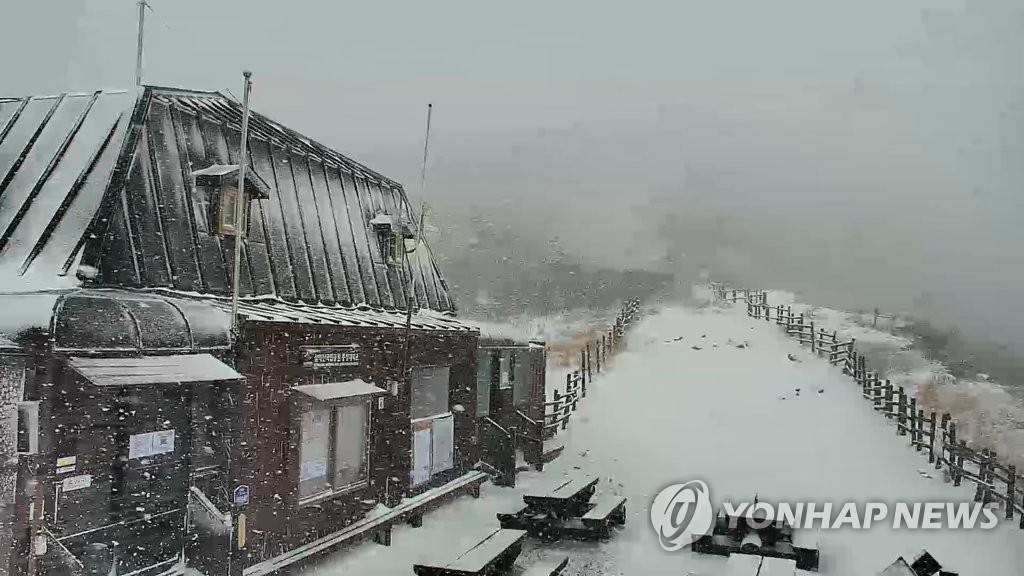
(931, 433)
(593, 358)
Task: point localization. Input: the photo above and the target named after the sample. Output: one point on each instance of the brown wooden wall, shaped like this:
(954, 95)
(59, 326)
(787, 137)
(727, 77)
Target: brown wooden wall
(270, 357)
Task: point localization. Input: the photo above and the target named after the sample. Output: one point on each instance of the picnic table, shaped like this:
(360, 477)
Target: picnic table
(495, 554)
(565, 499)
(755, 533)
(567, 509)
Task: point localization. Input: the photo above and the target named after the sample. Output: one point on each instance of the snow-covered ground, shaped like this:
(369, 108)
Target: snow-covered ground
(732, 417)
(988, 414)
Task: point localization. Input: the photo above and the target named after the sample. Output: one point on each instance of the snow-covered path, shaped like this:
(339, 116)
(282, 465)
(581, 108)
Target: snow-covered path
(730, 416)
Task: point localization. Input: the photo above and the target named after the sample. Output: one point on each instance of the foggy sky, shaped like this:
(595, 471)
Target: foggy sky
(864, 152)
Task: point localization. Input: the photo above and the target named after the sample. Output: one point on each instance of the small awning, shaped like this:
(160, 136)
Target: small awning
(138, 370)
(337, 390)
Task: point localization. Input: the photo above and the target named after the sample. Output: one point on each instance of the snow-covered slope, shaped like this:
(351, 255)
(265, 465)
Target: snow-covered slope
(988, 414)
(731, 417)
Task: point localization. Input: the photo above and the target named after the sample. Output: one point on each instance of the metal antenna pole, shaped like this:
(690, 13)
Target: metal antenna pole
(142, 31)
(423, 172)
(411, 285)
(240, 228)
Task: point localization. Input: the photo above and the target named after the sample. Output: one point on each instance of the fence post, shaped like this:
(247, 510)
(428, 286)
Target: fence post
(942, 447)
(920, 429)
(566, 408)
(540, 444)
(913, 423)
(961, 447)
(901, 418)
(583, 362)
(1011, 492)
(556, 408)
(888, 400)
(597, 349)
(590, 373)
(980, 494)
(931, 438)
(990, 479)
(952, 453)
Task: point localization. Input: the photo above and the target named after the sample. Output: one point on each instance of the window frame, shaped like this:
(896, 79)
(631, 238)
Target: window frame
(505, 369)
(223, 227)
(413, 391)
(331, 490)
(391, 246)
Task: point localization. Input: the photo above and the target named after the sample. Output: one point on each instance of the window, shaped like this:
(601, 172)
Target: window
(222, 180)
(226, 224)
(521, 377)
(483, 382)
(350, 431)
(429, 391)
(433, 445)
(506, 362)
(333, 449)
(392, 247)
(314, 452)
(433, 448)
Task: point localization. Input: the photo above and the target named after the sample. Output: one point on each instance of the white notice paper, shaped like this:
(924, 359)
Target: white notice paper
(150, 444)
(443, 453)
(420, 456)
(313, 469)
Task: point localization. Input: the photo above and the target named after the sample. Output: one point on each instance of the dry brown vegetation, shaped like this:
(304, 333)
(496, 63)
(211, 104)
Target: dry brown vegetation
(565, 353)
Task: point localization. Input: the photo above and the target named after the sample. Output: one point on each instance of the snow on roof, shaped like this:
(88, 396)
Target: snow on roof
(338, 390)
(28, 311)
(499, 331)
(215, 174)
(57, 154)
(148, 370)
(63, 168)
(274, 310)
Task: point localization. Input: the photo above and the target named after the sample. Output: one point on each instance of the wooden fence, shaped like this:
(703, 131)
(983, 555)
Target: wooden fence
(931, 433)
(593, 359)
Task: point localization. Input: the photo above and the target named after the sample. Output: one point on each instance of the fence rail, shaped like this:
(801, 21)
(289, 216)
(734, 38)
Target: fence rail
(593, 358)
(931, 433)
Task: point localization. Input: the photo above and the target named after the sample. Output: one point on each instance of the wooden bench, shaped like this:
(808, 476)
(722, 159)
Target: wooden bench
(376, 527)
(546, 567)
(495, 554)
(607, 512)
(467, 484)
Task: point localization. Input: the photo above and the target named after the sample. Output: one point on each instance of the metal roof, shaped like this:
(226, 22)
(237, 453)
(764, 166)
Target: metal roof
(138, 370)
(56, 157)
(121, 320)
(338, 390)
(101, 184)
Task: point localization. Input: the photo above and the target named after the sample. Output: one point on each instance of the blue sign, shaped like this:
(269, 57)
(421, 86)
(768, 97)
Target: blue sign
(241, 495)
